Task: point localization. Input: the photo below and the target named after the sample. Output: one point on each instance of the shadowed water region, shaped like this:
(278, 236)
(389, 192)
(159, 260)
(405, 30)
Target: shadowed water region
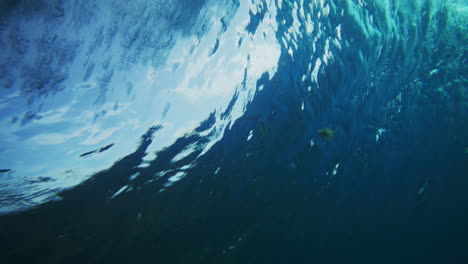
(234, 132)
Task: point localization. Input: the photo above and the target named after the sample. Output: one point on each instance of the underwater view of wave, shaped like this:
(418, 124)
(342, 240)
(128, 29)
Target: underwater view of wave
(234, 131)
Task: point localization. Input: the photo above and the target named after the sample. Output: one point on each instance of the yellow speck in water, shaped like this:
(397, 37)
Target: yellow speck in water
(326, 133)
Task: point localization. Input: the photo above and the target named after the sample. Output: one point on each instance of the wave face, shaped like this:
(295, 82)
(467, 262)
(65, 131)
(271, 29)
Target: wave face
(225, 131)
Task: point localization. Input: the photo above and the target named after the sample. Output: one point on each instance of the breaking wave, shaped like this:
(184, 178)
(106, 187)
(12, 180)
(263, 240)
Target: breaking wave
(223, 131)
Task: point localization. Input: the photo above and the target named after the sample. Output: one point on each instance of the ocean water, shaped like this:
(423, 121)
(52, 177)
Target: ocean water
(233, 131)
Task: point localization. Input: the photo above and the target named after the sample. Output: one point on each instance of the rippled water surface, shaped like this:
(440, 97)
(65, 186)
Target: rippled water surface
(233, 131)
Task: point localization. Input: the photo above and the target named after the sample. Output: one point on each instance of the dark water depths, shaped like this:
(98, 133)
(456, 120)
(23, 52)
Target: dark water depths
(261, 184)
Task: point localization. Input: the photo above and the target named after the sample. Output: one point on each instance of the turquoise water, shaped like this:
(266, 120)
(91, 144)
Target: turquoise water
(233, 131)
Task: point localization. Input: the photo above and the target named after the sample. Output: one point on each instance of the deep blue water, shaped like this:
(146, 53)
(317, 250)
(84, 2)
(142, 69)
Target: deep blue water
(189, 131)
